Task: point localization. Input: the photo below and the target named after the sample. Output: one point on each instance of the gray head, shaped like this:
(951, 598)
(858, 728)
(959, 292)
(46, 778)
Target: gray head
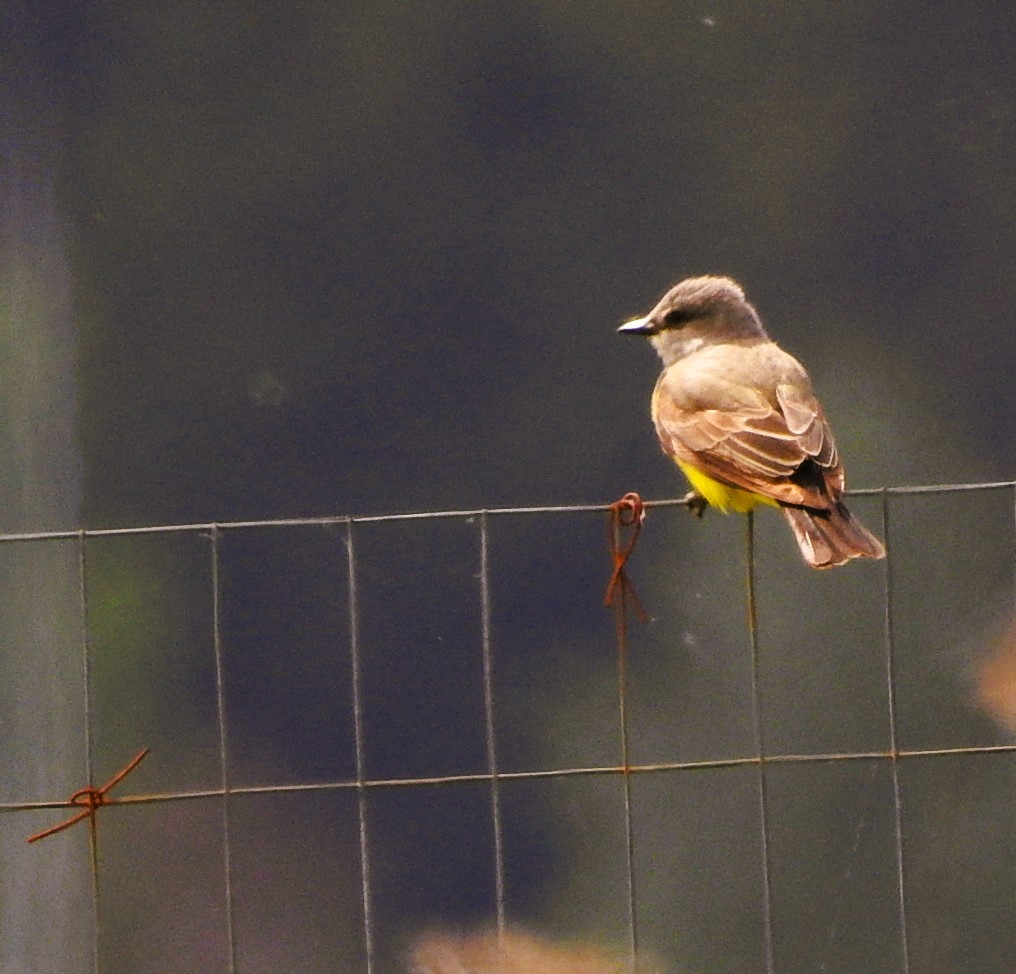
(699, 311)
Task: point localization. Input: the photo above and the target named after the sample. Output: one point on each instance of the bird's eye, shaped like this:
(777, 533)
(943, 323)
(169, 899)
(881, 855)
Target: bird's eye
(677, 317)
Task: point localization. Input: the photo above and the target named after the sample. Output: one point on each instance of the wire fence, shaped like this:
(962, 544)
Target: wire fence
(762, 758)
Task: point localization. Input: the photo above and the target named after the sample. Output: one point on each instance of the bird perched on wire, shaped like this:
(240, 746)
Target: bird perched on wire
(738, 416)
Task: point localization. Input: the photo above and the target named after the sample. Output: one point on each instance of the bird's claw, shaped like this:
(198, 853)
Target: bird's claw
(695, 503)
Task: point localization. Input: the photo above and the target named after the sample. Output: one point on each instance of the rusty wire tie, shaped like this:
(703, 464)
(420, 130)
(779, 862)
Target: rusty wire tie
(625, 516)
(91, 800)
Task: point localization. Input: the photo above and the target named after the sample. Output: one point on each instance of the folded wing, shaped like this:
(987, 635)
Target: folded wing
(747, 416)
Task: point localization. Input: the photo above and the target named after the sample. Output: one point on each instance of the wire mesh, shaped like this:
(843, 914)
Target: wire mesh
(377, 778)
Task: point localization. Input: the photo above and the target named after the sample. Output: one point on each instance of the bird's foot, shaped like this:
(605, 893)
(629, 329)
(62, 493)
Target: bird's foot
(695, 503)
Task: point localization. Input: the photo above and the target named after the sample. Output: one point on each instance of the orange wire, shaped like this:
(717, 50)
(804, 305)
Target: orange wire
(625, 517)
(91, 799)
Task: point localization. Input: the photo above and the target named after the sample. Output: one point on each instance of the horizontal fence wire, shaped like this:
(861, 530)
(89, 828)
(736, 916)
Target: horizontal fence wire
(534, 775)
(343, 519)
(493, 776)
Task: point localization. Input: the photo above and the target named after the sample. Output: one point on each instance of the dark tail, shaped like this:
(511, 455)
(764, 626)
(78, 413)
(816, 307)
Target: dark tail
(828, 538)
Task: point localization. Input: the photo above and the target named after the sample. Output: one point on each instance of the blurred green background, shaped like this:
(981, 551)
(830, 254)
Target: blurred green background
(367, 257)
(272, 260)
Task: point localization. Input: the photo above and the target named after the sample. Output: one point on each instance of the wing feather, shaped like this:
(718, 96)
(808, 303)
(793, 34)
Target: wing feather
(748, 417)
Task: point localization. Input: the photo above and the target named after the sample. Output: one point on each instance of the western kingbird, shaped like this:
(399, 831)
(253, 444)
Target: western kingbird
(738, 416)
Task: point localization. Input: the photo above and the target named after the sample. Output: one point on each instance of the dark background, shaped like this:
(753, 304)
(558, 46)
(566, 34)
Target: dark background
(273, 260)
(366, 257)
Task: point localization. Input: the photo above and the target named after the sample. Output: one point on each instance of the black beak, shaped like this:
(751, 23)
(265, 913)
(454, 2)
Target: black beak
(637, 326)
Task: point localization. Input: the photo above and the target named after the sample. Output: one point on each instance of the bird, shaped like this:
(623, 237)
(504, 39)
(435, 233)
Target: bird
(738, 415)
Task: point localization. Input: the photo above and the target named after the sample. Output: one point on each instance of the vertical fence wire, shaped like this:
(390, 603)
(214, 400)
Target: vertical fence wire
(629, 832)
(361, 770)
(86, 679)
(220, 705)
(756, 707)
(894, 763)
(488, 708)
(626, 517)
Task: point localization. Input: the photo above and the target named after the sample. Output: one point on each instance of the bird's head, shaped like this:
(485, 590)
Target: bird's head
(697, 312)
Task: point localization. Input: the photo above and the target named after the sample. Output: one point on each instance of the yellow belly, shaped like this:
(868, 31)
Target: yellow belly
(723, 496)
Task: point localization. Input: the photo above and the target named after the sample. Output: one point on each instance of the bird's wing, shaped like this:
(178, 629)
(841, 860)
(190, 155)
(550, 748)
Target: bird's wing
(748, 417)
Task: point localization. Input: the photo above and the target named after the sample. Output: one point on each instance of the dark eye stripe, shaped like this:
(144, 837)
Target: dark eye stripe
(677, 317)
